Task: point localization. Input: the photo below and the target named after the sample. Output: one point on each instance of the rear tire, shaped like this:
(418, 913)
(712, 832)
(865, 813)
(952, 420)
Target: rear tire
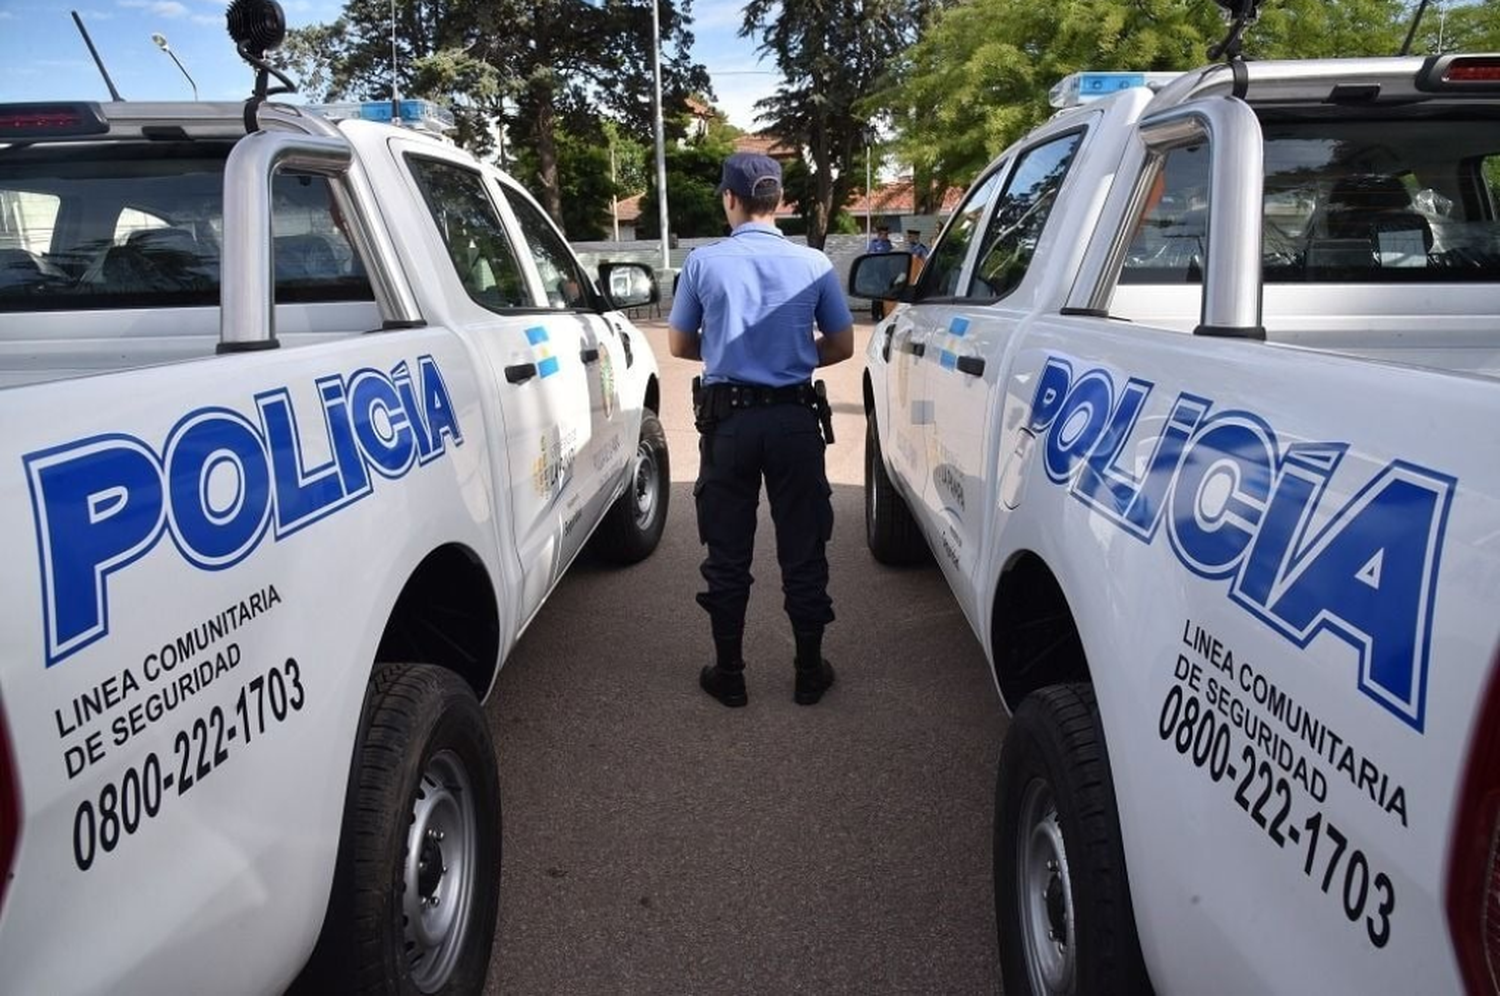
(1062, 898)
(891, 532)
(417, 886)
(633, 525)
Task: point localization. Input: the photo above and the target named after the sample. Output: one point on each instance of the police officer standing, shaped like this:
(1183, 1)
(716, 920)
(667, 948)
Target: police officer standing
(748, 307)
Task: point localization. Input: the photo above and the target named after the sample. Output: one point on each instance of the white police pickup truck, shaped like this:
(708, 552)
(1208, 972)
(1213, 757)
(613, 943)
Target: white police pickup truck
(252, 595)
(1196, 405)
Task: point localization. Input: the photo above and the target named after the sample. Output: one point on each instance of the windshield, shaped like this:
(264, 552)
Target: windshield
(1364, 201)
(140, 225)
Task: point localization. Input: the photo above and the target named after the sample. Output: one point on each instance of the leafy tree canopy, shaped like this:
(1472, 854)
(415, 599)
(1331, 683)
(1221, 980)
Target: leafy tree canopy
(979, 77)
(693, 171)
(539, 68)
(830, 53)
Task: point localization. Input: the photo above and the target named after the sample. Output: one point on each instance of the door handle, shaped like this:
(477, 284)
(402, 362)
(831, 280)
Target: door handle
(520, 372)
(971, 365)
(918, 349)
(590, 355)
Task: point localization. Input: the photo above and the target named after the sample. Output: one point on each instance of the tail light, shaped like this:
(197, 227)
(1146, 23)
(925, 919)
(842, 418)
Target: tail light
(1474, 860)
(1454, 73)
(29, 122)
(1473, 70)
(10, 808)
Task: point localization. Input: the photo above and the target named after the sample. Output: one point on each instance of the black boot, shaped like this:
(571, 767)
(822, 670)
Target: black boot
(812, 682)
(725, 684)
(814, 674)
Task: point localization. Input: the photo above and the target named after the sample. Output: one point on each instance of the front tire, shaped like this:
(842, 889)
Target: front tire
(1062, 899)
(417, 887)
(633, 525)
(890, 530)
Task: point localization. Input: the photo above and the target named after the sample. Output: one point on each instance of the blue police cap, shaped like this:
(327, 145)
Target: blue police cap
(750, 174)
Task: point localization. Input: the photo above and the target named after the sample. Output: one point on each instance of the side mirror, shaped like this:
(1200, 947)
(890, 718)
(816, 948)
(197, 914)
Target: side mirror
(628, 285)
(881, 276)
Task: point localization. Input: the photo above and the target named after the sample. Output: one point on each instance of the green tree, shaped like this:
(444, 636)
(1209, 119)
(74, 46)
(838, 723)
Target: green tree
(583, 173)
(1458, 27)
(979, 77)
(800, 191)
(693, 202)
(830, 53)
(539, 68)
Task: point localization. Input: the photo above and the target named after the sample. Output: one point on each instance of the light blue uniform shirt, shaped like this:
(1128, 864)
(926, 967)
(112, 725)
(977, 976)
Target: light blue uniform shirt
(756, 298)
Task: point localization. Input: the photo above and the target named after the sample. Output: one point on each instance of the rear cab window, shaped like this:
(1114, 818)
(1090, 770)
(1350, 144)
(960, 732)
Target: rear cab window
(1385, 201)
(140, 226)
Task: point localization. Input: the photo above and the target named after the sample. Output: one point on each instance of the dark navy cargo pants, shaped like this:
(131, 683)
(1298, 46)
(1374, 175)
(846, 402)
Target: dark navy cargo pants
(783, 445)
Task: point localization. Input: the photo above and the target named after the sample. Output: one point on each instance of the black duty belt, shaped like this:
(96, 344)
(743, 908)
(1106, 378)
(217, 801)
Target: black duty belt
(714, 402)
(755, 396)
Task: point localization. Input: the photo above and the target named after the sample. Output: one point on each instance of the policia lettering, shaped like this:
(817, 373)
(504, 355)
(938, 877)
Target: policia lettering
(1239, 505)
(218, 482)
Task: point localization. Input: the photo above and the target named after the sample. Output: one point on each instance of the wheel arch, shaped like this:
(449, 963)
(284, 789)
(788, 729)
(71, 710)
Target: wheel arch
(447, 614)
(1034, 637)
(652, 399)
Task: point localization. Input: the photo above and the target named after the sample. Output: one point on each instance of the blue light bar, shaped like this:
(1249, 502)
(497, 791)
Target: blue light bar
(421, 115)
(1080, 88)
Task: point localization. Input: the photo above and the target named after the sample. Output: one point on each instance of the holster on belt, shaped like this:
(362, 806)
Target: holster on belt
(713, 403)
(824, 410)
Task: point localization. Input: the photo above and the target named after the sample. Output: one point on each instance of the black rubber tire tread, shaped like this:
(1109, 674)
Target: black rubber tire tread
(1055, 734)
(411, 712)
(619, 540)
(894, 538)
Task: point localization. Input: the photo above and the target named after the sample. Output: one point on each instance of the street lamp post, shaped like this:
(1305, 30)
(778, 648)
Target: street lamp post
(869, 191)
(161, 42)
(661, 141)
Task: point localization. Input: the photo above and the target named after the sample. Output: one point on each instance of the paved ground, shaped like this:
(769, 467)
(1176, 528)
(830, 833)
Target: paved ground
(656, 842)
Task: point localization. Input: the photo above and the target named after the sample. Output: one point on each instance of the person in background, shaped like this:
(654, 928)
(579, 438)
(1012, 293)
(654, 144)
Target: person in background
(749, 308)
(914, 244)
(880, 243)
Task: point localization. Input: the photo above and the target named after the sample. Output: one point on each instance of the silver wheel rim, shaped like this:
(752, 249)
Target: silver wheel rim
(438, 874)
(1046, 893)
(643, 486)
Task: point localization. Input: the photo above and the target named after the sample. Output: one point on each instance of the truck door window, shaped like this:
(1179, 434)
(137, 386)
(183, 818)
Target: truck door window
(1020, 215)
(945, 265)
(477, 243)
(562, 279)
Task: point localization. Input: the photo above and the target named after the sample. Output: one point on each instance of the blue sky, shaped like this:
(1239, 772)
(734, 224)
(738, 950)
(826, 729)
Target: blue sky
(43, 58)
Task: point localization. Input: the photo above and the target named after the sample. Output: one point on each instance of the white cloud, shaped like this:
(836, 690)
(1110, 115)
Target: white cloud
(161, 8)
(212, 20)
(6, 15)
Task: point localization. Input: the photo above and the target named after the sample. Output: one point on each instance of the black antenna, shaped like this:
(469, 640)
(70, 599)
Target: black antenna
(1412, 31)
(95, 53)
